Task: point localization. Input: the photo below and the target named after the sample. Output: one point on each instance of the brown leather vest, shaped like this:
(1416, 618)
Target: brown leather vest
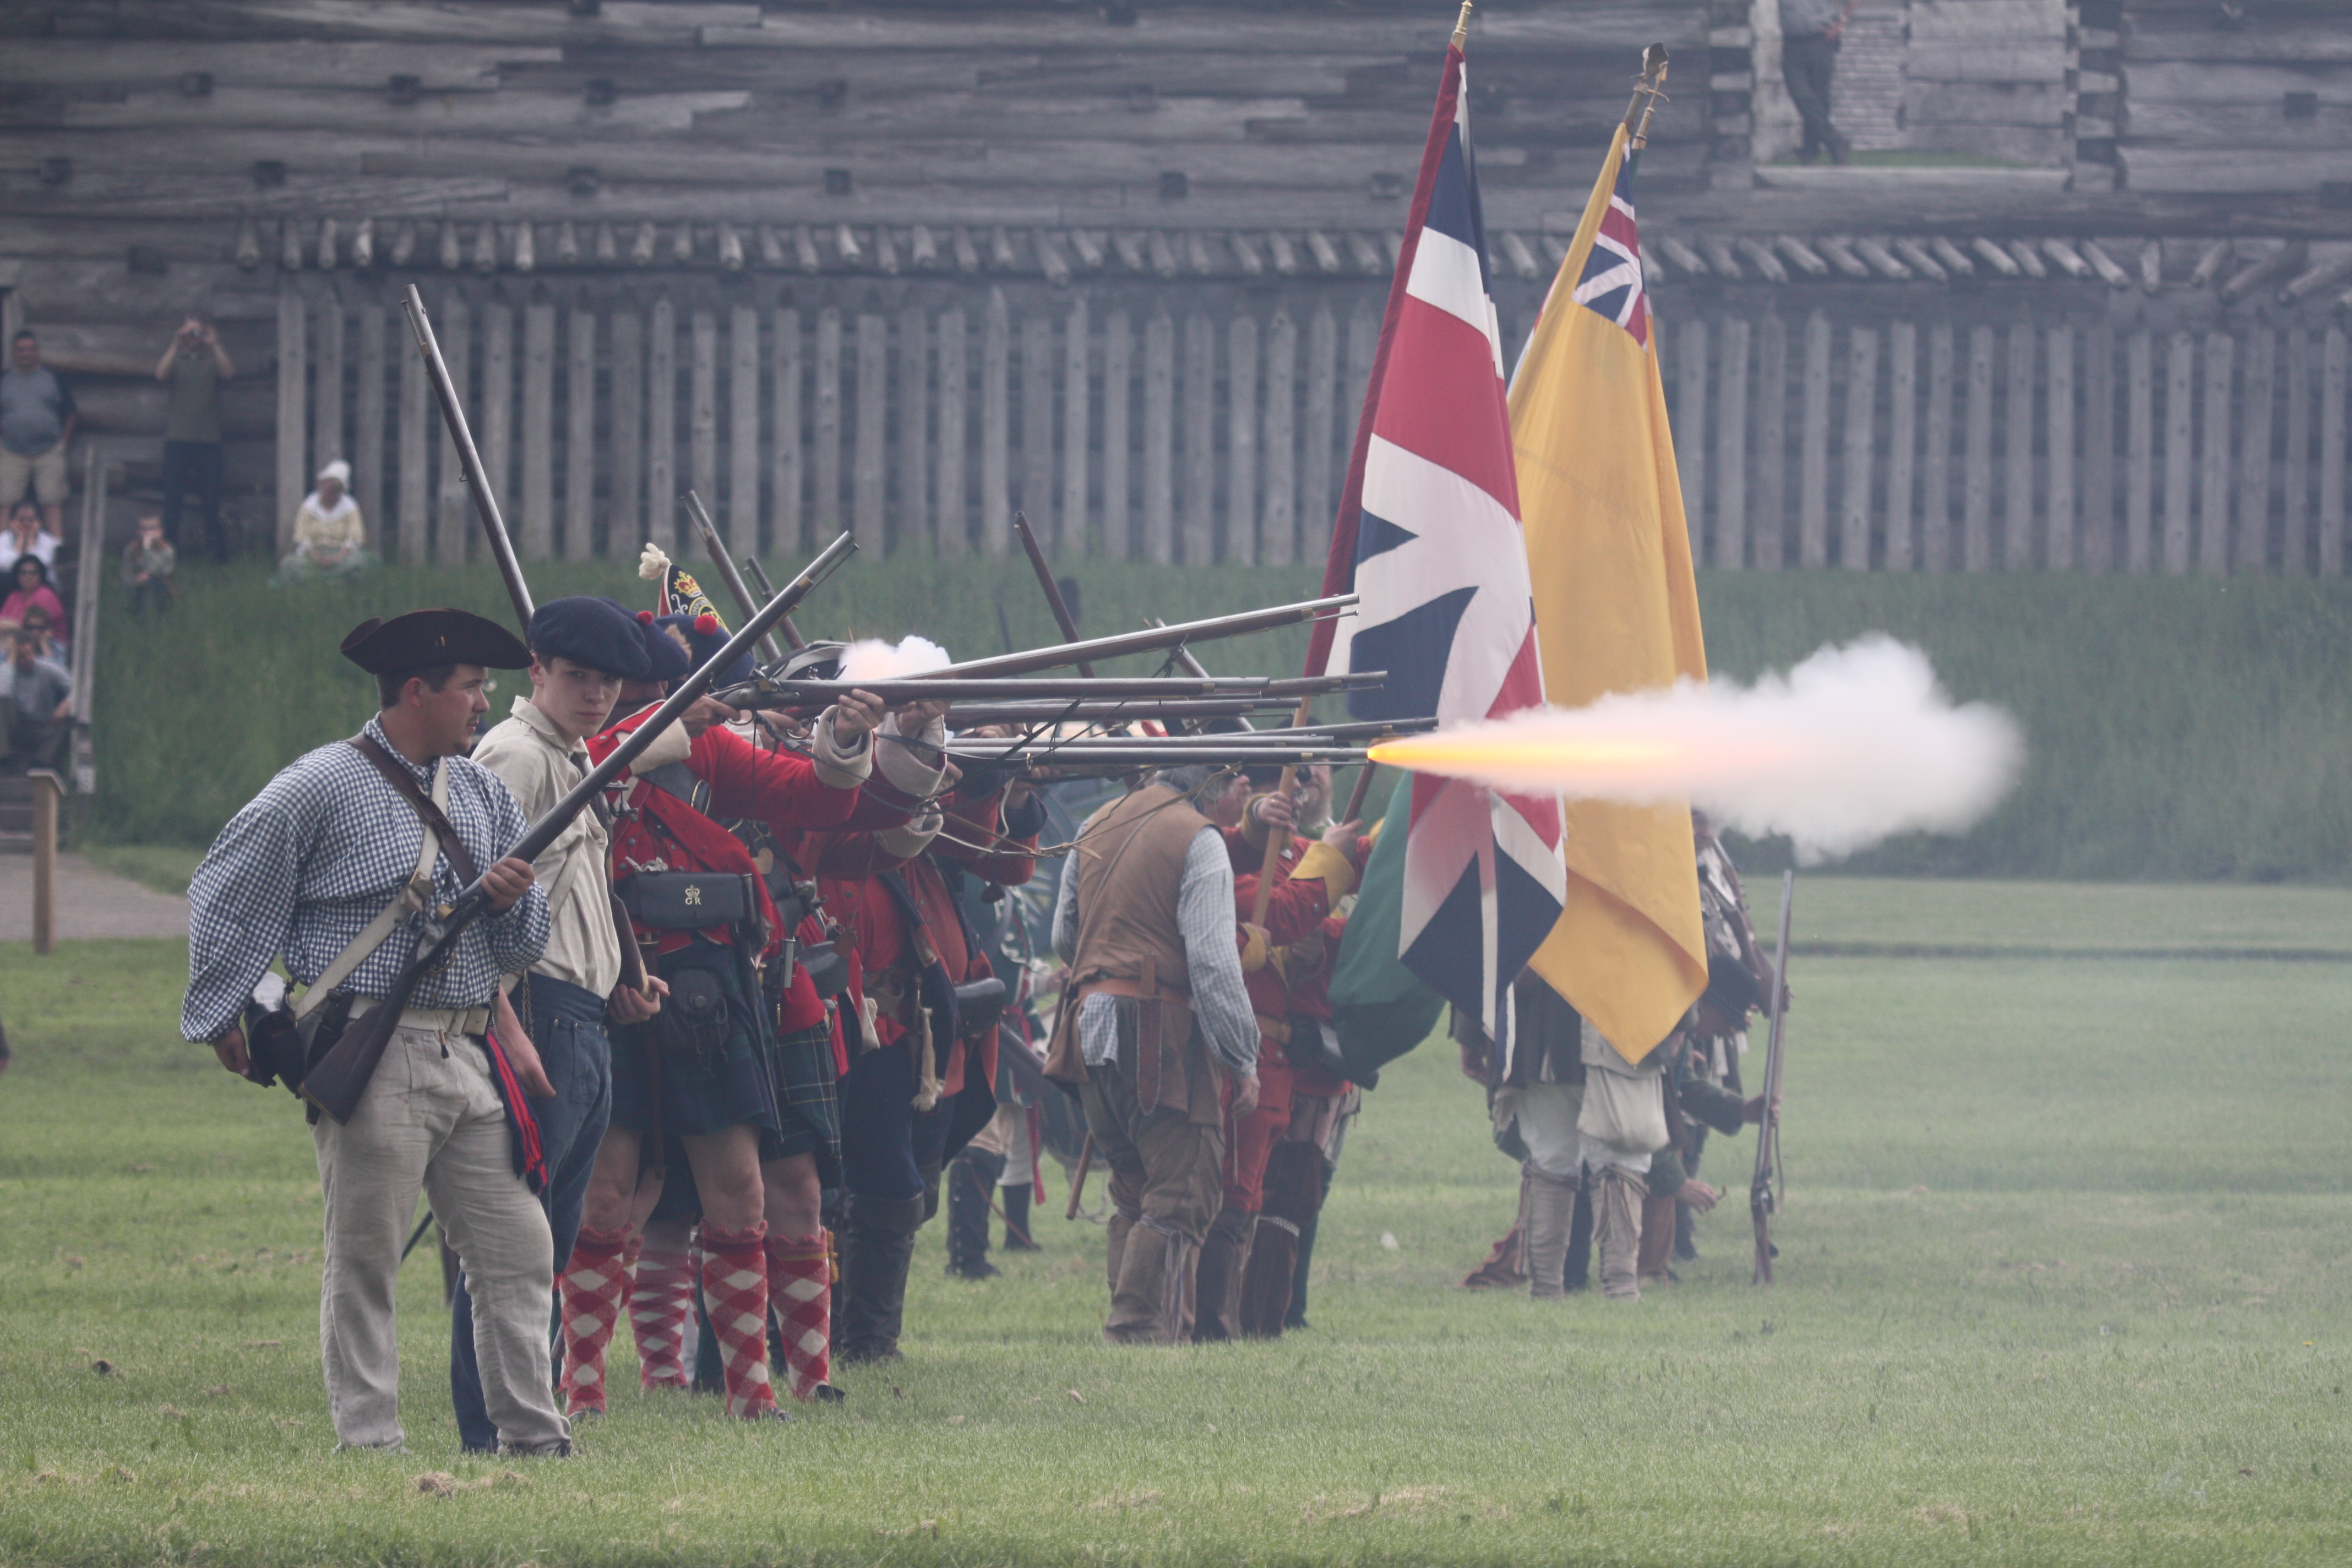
(1131, 871)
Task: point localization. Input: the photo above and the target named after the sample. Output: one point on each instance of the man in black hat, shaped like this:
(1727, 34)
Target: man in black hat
(582, 649)
(329, 867)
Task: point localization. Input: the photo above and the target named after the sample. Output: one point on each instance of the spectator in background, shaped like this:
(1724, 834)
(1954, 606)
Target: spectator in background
(148, 563)
(49, 644)
(37, 708)
(1810, 32)
(26, 536)
(33, 588)
(37, 422)
(328, 531)
(193, 366)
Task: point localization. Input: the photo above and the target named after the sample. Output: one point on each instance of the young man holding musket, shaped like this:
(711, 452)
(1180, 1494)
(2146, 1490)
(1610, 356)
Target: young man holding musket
(329, 867)
(582, 649)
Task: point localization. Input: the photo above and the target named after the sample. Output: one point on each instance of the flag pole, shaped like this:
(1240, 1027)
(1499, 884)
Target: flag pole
(1650, 87)
(1277, 840)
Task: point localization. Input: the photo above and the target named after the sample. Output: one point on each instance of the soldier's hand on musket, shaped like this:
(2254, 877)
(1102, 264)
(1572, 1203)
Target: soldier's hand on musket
(706, 711)
(507, 882)
(918, 715)
(856, 714)
(1342, 837)
(229, 1045)
(1274, 809)
(1244, 1095)
(1698, 1194)
(1753, 1111)
(629, 1006)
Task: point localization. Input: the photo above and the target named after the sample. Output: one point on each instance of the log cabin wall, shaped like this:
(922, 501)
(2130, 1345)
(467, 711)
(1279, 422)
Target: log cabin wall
(906, 267)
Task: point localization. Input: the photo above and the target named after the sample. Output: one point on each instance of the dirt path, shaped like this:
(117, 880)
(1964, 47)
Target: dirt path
(90, 903)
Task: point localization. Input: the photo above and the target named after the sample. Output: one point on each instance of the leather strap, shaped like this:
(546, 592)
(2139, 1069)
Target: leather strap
(416, 895)
(396, 773)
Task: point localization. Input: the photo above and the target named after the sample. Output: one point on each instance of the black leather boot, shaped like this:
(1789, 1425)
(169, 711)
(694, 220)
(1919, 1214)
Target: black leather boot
(1577, 1274)
(1018, 1236)
(877, 1249)
(970, 1180)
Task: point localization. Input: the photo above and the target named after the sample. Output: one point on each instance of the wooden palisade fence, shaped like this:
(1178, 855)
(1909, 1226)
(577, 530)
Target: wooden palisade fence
(1894, 430)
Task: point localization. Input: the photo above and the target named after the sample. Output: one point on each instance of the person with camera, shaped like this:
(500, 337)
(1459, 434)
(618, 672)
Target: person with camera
(193, 365)
(330, 868)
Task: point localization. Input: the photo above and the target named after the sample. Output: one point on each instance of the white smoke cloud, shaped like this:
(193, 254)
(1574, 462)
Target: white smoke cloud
(870, 658)
(1852, 746)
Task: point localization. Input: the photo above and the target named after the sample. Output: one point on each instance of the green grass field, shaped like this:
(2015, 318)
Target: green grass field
(2065, 1281)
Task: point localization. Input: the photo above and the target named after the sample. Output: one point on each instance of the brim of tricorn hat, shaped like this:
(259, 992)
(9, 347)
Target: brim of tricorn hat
(423, 639)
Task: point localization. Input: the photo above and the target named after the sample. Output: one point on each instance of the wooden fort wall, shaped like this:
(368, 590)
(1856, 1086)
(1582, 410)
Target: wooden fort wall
(907, 268)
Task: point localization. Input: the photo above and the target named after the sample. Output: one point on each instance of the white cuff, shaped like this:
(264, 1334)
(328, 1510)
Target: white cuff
(672, 746)
(918, 771)
(910, 838)
(837, 766)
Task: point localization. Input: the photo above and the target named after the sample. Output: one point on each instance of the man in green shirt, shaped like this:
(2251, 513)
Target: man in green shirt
(193, 366)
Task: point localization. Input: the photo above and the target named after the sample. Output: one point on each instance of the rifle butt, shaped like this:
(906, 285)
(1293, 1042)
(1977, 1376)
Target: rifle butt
(335, 1082)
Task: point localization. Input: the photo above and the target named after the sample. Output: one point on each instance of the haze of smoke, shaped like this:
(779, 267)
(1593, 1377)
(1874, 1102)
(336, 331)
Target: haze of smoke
(1852, 746)
(870, 658)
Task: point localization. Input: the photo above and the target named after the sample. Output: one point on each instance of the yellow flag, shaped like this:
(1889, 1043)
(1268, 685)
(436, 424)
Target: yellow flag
(1616, 610)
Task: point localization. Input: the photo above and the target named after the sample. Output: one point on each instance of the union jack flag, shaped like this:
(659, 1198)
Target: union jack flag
(1428, 533)
(1612, 281)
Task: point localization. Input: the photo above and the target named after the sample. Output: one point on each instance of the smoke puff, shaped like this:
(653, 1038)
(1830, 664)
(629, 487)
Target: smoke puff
(874, 660)
(1852, 746)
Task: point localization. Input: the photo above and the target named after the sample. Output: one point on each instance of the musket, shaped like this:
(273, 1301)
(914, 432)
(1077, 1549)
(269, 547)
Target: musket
(1054, 600)
(1094, 710)
(761, 692)
(767, 591)
(1151, 754)
(1151, 640)
(336, 1081)
(716, 548)
(478, 479)
(1243, 741)
(1078, 1182)
(494, 529)
(1762, 1201)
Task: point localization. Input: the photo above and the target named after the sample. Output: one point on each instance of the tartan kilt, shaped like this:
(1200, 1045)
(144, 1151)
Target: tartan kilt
(808, 1093)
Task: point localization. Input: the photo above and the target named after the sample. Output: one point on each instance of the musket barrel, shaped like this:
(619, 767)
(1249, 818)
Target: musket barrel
(1149, 640)
(920, 688)
(478, 479)
(716, 548)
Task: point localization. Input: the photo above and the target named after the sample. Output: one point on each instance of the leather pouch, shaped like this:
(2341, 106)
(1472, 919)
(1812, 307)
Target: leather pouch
(693, 1019)
(828, 970)
(687, 901)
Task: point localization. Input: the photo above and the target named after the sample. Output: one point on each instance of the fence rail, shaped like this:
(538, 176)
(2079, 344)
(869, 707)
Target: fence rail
(1212, 425)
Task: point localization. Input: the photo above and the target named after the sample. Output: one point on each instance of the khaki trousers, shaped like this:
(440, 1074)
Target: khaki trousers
(431, 1121)
(1167, 1180)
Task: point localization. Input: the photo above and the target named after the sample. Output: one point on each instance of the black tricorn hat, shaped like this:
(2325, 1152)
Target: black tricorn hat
(422, 639)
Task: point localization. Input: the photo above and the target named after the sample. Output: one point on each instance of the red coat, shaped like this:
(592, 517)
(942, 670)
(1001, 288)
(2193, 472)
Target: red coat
(1302, 928)
(655, 830)
(847, 863)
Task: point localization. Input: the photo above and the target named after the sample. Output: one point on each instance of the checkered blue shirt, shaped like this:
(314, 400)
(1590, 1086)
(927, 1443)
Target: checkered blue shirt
(317, 854)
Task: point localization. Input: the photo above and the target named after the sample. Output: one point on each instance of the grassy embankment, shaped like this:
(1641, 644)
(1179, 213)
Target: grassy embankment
(2064, 1279)
(2178, 729)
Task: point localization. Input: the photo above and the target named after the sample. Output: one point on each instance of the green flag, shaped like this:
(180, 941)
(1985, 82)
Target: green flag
(1380, 1008)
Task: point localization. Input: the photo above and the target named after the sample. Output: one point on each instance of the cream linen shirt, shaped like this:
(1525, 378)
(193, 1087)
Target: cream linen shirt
(532, 758)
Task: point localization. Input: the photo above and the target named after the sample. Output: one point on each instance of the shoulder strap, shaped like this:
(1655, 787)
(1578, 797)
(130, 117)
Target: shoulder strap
(435, 820)
(416, 895)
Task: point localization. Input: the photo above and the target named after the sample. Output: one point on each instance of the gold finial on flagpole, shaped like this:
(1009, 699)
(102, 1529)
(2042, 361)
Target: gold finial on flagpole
(1462, 27)
(1651, 87)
